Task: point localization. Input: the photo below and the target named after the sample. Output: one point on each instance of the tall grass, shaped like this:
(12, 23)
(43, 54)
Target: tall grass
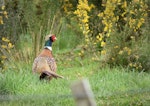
(114, 86)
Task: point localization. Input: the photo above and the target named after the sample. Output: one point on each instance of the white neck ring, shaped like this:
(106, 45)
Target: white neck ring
(48, 47)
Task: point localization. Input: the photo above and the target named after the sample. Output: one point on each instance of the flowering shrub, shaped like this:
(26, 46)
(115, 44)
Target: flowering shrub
(121, 33)
(83, 11)
(5, 43)
(3, 14)
(123, 21)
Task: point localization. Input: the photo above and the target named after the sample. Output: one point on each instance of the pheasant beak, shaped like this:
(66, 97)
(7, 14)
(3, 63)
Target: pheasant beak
(55, 38)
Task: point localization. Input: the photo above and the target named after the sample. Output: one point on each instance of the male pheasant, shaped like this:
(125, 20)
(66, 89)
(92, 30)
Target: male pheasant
(44, 63)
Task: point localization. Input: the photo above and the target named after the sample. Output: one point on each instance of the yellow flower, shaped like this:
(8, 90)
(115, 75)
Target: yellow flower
(103, 43)
(5, 39)
(132, 37)
(116, 47)
(124, 5)
(113, 59)
(108, 34)
(103, 52)
(94, 43)
(97, 36)
(10, 45)
(79, 54)
(3, 57)
(106, 28)
(125, 48)
(85, 32)
(4, 46)
(82, 14)
(92, 6)
(77, 12)
(3, 7)
(82, 51)
(100, 14)
(5, 13)
(79, 74)
(130, 64)
(86, 29)
(132, 12)
(1, 22)
(93, 58)
(129, 52)
(86, 46)
(100, 39)
(123, 14)
(137, 57)
(85, 21)
(145, 15)
(139, 24)
(120, 52)
(87, 40)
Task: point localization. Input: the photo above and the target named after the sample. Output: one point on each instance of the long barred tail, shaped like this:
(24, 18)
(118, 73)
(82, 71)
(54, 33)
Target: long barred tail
(53, 74)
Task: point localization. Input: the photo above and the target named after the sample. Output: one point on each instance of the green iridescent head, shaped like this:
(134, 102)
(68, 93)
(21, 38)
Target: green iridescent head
(49, 39)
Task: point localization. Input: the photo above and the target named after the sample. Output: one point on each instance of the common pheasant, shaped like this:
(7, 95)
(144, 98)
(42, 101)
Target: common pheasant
(44, 63)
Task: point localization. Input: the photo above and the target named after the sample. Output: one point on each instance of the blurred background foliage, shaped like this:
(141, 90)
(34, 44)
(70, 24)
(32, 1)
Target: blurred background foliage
(114, 32)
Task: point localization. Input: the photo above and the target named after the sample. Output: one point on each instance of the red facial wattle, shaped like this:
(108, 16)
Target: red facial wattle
(53, 38)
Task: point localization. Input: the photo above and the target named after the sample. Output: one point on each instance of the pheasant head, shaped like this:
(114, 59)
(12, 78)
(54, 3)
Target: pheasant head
(49, 39)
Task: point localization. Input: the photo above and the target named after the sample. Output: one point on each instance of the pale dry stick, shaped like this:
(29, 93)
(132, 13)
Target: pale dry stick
(52, 24)
(82, 93)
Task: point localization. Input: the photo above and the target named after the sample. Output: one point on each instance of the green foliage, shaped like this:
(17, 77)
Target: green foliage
(66, 39)
(29, 15)
(45, 19)
(36, 18)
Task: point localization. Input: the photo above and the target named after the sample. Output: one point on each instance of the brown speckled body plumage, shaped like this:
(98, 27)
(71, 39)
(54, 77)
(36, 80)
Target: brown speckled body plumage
(47, 56)
(45, 64)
